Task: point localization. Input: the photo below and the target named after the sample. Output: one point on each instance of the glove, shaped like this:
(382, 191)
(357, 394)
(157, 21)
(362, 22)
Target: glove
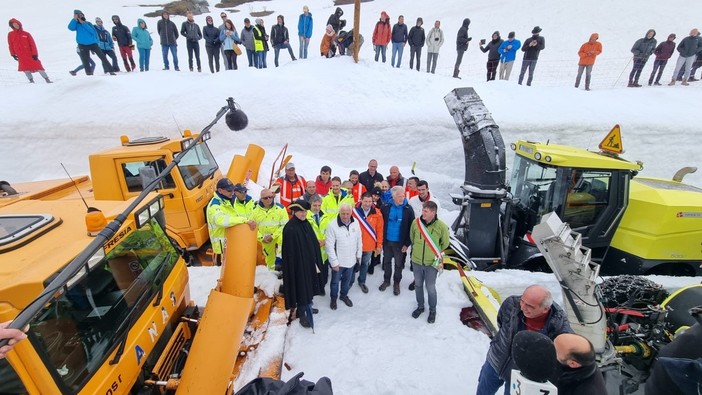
(131, 46)
(356, 268)
(470, 38)
(15, 57)
(35, 57)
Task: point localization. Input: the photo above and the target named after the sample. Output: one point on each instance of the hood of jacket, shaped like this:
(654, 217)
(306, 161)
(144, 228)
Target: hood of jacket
(384, 17)
(650, 31)
(14, 20)
(466, 23)
(139, 21)
(339, 12)
(116, 20)
(496, 32)
(594, 36)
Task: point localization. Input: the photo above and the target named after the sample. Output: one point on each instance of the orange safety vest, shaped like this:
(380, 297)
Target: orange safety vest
(289, 191)
(357, 191)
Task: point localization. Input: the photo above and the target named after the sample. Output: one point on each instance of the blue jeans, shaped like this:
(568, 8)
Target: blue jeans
(174, 52)
(489, 382)
(259, 59)
(425, 274)
(304, 43)
(397, 48)
(91, 64)
(250, 55)
(363, 272)
(144, 55)
(277, 48)
(344, 276)
(380, 49)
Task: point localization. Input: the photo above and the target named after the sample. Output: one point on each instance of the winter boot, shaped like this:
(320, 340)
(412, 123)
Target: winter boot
(31, 80)
(396, 289)
(411, 286)
(416, 313)
(304, 322)
(346, 301)
(332, 305)
(48, 81)
(131, 60)
(455, 73)
(692, 79)
(432, 317)
(672, 82)
(363, 287)
(384, 286)
(631, 84)
(684, 82)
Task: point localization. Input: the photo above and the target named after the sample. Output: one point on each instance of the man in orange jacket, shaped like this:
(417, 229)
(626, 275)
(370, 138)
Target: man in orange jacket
(290, 187)
(588, 52)
(371, 221)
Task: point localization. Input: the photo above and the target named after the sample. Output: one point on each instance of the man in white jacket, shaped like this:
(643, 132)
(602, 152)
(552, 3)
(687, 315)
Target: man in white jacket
(344, 247)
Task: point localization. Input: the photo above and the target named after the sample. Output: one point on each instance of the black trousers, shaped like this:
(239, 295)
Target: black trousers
(84, 53)
(213, 58)
(193, 48)
(492, 69)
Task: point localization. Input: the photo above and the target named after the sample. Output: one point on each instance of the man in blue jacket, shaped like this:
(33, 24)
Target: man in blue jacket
(534, 310)
(508, 52)
(87, 39)
(304, 31)
(398, 217)
(399, 39)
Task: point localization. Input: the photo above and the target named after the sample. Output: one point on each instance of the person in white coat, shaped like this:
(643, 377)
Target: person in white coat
(344, 247)
(435, 39)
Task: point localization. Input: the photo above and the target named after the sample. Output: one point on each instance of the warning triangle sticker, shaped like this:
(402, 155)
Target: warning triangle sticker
(613, 141)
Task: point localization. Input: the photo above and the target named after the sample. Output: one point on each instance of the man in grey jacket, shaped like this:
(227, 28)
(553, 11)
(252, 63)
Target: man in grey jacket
(168, 32)
(642, 50)
(688, 48)
(533, 311)
(435, 39)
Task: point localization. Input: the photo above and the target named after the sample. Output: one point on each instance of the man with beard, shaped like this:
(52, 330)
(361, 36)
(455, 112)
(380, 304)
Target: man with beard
(302, 261)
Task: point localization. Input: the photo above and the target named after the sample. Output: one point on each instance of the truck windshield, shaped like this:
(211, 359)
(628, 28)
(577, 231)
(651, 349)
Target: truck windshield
(532, 186)
(197, 165)
(76, 332)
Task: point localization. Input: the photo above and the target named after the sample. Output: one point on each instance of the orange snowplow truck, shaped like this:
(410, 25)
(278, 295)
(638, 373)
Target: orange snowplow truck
(105, 295)
(122, 172)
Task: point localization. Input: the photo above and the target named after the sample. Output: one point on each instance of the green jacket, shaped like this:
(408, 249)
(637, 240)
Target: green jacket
(421, 252)
(220, 216)
(270, 221)
(320, 229)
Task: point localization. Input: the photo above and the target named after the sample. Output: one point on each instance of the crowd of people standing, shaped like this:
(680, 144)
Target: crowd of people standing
(226, 42)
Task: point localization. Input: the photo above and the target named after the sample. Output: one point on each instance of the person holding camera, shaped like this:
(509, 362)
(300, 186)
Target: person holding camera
(508, 52)
(462, 41)
(532, 46)
(435, 39)
(87, 39)
(493, 55)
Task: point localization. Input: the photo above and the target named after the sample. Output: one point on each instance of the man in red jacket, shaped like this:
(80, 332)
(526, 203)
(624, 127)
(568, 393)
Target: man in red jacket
(663, 52)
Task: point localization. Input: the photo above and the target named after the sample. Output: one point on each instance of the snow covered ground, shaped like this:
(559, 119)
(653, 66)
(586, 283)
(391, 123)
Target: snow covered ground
(335, 112)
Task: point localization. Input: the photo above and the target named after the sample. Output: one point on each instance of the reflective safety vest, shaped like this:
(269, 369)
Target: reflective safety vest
(244, 209)
(357, 191)
(320, 227)
(331, 203)
(220, 216)
(258, 43)
(289, 191)
(270, 221)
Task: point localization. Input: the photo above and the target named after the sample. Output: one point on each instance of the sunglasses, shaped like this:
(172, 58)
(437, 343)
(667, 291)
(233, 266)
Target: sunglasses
(267, 198)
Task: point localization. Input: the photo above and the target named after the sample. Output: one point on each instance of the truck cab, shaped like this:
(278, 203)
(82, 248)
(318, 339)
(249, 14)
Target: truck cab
(118, 306)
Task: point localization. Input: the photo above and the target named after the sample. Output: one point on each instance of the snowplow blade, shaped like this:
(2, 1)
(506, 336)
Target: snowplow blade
(482, 315)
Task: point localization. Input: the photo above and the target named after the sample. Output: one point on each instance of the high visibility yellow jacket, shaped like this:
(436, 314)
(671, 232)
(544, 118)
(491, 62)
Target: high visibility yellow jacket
(270, 221)
(320, 228)
(221, 215)
(331, 203)
(245, 208)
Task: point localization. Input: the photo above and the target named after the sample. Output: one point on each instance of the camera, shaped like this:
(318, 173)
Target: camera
(482, 41)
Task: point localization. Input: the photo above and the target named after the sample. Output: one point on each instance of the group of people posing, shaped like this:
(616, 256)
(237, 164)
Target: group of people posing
(350, 224)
